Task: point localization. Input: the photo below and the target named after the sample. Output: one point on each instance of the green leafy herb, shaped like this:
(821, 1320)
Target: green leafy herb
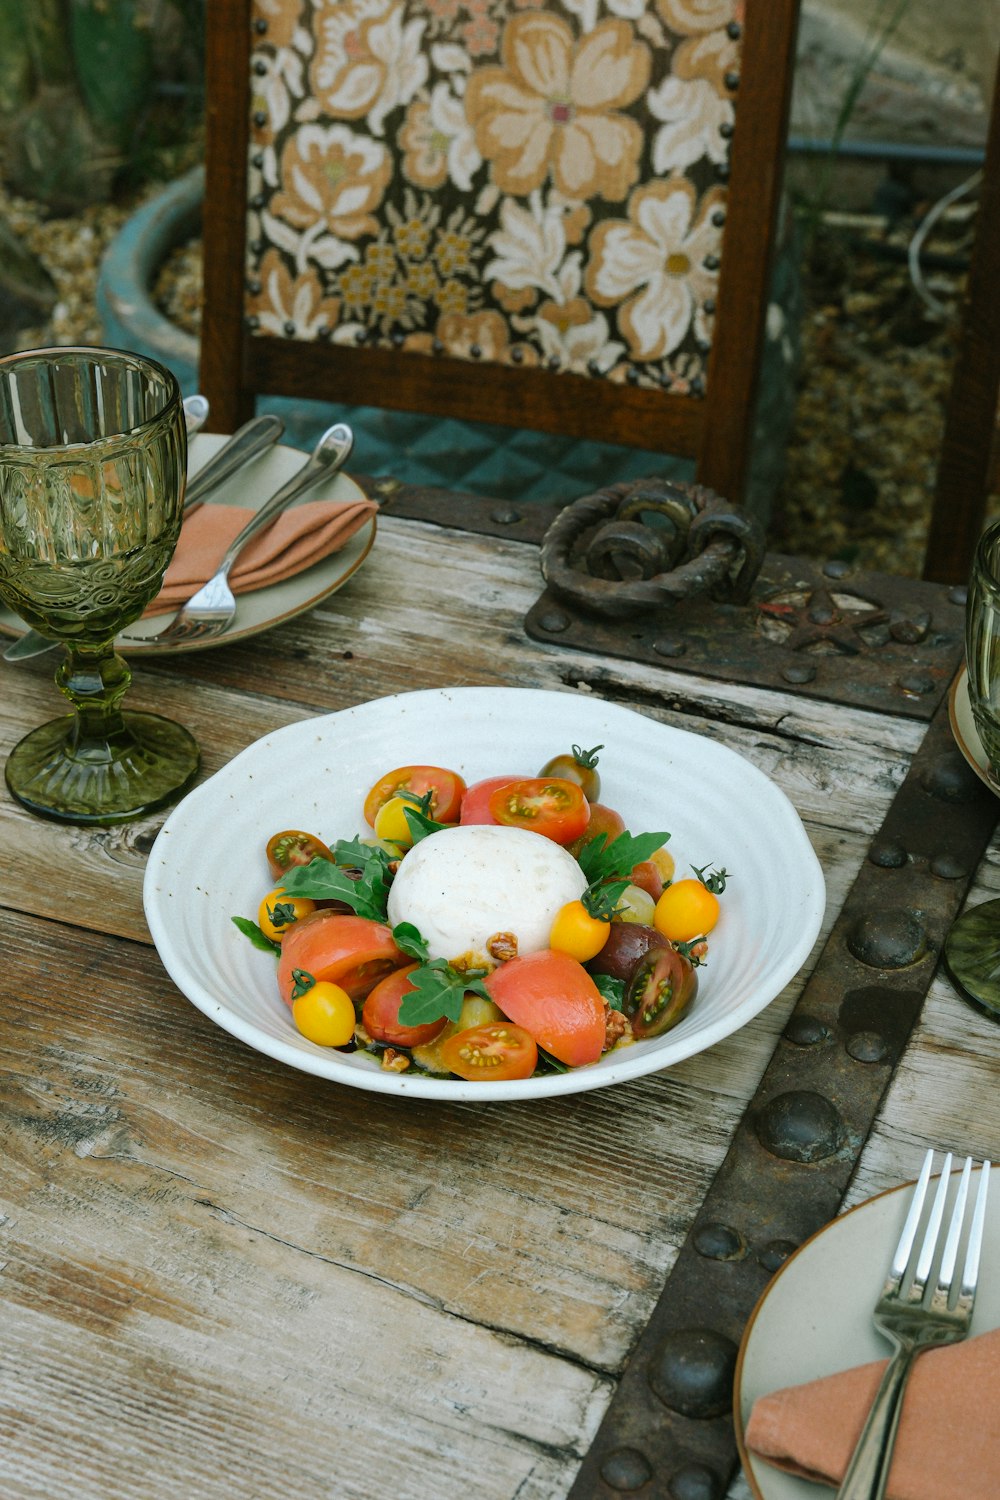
(438, 990)
(420, 823)
(611, 990)
(408, 940)
(549, 1064)
(365, 893)
(600, 860)
(252, 931)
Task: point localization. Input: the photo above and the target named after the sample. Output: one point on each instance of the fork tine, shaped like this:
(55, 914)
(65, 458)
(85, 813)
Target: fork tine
(930, 1240)
(904, 1249)
(947, 1272)
(970, 1274)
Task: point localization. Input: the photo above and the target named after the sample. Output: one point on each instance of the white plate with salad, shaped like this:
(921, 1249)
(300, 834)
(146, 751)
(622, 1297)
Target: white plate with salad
(721, 813)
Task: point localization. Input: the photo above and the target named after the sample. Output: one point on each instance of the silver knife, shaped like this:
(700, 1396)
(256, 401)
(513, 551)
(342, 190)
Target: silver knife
(253, 438)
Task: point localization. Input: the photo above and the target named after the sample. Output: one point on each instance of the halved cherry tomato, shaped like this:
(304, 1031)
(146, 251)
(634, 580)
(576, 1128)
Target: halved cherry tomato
(580, 766)
(446, 789)
(476, 802)
(380, 1015)
(685, 911)
(351, 951)
(278, 912)
(554, 998)
(556, 809)
(325, 1015)
(660, 992)
(491, 1053)
(293, 847)
(604, 823)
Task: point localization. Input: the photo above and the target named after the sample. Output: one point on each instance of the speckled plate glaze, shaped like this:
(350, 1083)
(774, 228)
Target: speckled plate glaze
(262, 608)
(718, 807)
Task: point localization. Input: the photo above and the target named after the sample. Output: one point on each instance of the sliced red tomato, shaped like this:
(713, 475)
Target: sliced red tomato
(660, 992)
(446, 788)
(476, 802)
(491, 1053)
(556, 809)
(604, 823)
(292, 847)
(554, 998)
(351, 951)
(380, 1015)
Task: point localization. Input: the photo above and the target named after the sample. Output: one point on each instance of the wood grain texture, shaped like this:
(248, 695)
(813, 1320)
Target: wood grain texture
(220, 1276)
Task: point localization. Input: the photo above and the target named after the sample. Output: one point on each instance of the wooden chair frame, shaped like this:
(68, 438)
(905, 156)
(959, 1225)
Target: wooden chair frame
(715, 429)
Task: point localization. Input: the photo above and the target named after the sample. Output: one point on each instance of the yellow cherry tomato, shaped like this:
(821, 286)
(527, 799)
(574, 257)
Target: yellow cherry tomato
(278, 911)
(577, 933)
(390, 822)
(686, 911)
(325, 1014)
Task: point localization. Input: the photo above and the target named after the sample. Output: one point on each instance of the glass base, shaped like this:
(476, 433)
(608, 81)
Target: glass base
(972, 957)
(148, 766)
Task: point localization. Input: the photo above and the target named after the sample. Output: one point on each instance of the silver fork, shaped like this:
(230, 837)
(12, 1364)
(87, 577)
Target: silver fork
(916, 1314)
(210, 611)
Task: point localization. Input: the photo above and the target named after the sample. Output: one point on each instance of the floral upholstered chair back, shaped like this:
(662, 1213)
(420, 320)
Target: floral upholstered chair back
(527, 183)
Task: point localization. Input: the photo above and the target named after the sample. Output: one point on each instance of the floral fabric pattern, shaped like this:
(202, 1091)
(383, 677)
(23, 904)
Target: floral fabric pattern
(520, 181)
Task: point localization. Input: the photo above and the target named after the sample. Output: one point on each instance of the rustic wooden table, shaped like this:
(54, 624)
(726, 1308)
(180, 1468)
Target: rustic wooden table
(221, 1277)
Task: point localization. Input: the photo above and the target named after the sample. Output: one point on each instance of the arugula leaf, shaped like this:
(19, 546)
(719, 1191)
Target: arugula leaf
(598, 859)
(408, 940)
(321, 880)
(252, 931)
(420, 824)
(611, 990)
(549, 1064)
(438, 990)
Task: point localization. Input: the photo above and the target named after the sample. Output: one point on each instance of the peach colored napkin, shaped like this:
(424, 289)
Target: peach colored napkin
(948, 1445)
(298, 538)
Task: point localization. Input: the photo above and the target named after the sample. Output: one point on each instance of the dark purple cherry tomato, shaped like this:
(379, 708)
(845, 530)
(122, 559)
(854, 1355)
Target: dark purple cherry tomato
(626, 945)
(660, 992)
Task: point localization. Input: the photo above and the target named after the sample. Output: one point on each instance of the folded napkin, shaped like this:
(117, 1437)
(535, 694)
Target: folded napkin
(948, 1445)
(298, 538)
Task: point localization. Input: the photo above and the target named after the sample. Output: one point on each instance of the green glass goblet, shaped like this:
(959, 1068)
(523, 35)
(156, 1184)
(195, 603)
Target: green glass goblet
(93, 458)
(972, 948)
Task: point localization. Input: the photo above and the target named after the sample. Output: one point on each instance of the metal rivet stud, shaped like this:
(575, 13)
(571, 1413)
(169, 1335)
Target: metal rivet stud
(836, 568)
(806, 1031)
(949, 779)
(554, 621)
(916, 684)
(890, 939)
(868, 1047)
(773, 1255)
(259, 118)
(799, 672)
(670, 645)
(732, 81)
(692, 1372)
(719, 1242)
(801, 1126)
(888, 856)
(947, 866)
(626, 1469)
(959, 595)
(505, 515)
(694, 1482)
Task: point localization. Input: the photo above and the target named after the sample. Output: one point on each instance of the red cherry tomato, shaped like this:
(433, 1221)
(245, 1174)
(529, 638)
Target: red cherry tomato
(555, 1000)
(446, 787)
(491, 1053)
(556, 809)
(380, 1015)
(292, 847)
(604, 821)
(580, 766)
(351, 951)
(647, 877)
(476, 802)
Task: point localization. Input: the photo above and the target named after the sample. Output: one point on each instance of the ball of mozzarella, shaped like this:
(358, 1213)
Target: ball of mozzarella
(462, 887)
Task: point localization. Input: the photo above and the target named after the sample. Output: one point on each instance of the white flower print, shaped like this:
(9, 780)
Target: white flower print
(693, 116)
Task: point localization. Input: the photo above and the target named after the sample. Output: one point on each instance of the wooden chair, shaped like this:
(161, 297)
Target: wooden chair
(969, 466)
(542, 215)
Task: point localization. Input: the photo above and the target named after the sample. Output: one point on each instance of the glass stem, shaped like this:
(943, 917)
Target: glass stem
(95, 679)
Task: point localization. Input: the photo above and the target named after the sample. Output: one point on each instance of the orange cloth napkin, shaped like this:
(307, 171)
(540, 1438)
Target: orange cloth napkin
(298, 538)
(948, 1445)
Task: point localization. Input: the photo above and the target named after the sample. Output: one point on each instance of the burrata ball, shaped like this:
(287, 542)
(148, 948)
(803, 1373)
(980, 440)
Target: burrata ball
(483, 893)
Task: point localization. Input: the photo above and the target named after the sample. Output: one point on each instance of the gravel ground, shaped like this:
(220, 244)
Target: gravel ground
(876, 363)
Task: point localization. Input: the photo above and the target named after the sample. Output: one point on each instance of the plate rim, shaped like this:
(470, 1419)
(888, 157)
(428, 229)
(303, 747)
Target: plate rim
(974, 754)
(324, 1064)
